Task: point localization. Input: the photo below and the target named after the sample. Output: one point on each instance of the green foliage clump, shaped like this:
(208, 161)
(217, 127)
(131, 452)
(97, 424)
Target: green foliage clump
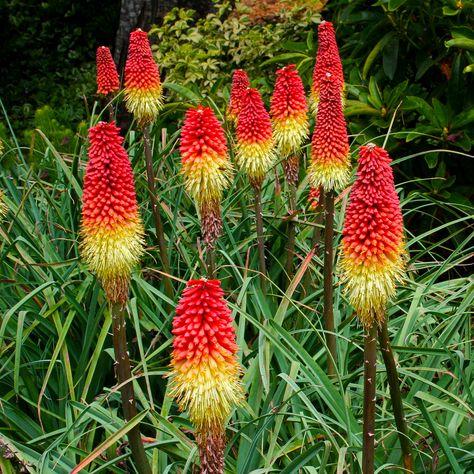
(202, 54)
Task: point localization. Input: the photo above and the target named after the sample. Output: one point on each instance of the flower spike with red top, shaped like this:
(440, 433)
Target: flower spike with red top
(143, 89)
(107, 75)
(112, 232)
(205, 375)
(330, 163)
(289, 111)
(327, 61)
(373, 257)
(240, 83)
(206, 167)
(255, 146)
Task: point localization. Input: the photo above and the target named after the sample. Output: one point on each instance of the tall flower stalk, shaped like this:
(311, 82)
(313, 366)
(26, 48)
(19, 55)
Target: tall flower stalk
(330, 171)
(108, 81)
(143, 95)
(207, 171)
(327, 61)
(255, 156)
(372, 262)
(240, 83)
(290, 129)
(205, 375)
(111, 245)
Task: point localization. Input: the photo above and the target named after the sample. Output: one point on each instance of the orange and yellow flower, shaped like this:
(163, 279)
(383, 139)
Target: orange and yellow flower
(255, 146)
(327, 61)
(112, 232)
(206, 167)
(143, 89)
(330, 162)
(240, 83)
(205, 375)
(107, 76)
(289, 112)
(313, 198)
(373, 257)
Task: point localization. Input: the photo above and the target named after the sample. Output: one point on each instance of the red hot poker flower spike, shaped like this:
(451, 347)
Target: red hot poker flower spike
(330, 163)
(205, 376)
(143, 89)
(107, 76)
(289, 111)
(206, 168)
(255, 146)
(313, 198)
(240, 83)
(373, 243)
(327, 61)
(112, 232)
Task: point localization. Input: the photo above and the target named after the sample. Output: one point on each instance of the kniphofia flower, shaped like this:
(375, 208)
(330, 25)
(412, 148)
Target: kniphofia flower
(107, 76)
(289, 111)
(373, 240)
(255, 146)
(330, 162)
(240, 83)
(143, 89)
(313, 198)
(206, 167)
(327, 61)
(112, 232)
(205, 375)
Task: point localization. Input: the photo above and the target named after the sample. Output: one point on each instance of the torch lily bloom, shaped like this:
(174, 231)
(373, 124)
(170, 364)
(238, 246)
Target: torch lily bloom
(330, 163)
(206, 167)
(143, 89)
(255, 146)
(373, 240)
(313, 198)
(112, 232)
(205, 375)
(240, 83)
(289, 111)
(327, 61)
(107, 75)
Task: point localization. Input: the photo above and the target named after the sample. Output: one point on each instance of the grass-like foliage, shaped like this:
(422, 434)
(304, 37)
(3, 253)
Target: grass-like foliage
(59, 402)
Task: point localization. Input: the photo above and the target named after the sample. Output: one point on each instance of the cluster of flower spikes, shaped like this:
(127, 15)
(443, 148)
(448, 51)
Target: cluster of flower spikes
(112, 232)
(327, 61)
(143, 89)
(240, 83)
(206, 167)
(373, 257)
(205, 375)
(107, 76)
(255, 145)
(330, 161)
(288, 111)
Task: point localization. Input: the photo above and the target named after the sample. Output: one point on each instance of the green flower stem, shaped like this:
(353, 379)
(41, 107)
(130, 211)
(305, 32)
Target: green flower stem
(156, 213)
(124, 378)
(370, 359)
(211, 262)
(315, 240)
(396, 396)
(290, 247)
(328, 310)
(260, 238)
